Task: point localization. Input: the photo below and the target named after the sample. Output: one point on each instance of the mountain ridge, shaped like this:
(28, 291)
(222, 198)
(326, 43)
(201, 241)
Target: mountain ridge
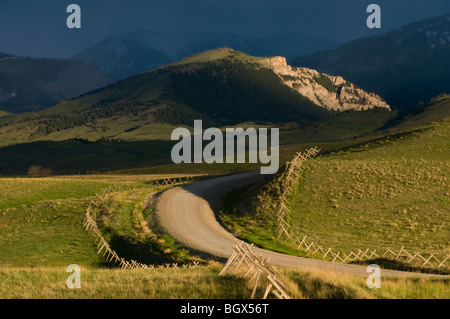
(222, 87)
(32, 84)
(405, 66)
(120, 57)
(114, 56)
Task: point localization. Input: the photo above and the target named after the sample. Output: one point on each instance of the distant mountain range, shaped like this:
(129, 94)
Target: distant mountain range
(120, 57)
(32, 84)
(128, 124)
(222, 87)
(123, 55)
(405, 66)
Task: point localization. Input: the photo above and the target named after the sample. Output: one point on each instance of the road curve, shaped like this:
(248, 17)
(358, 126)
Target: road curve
(187, 213)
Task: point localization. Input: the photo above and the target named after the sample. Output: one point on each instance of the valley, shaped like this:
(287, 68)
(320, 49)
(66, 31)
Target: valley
(379, 182)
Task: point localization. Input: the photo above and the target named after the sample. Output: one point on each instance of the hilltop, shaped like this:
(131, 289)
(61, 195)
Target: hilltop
(128, 124)
(120, 57)
(132, 52)
(222, 87)
(330, 92)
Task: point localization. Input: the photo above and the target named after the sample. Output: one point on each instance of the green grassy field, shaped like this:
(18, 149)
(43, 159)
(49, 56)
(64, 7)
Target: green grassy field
(387, 193)
(131, 128)
(436, 110)
(41, 234)
(153, 156)
(201, 283)
(79, 156)
(384, 194)
(135, 147)
(40, 222)
(41, 218)
(101, 283)
(218, 54)
(128, 222)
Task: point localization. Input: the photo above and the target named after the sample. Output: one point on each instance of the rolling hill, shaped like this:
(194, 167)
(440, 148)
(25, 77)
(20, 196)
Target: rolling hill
(405, 66)
(391, 191)
(222, 87)
(127, 125)
(32, 84)
(130, 53)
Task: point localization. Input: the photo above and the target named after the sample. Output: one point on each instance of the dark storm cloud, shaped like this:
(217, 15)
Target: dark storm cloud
(37, 28)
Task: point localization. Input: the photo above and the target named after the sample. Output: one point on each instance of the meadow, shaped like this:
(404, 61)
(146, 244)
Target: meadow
(41, 234)
(201, 283)
(41, 229)
(41, 218)
(386, 193)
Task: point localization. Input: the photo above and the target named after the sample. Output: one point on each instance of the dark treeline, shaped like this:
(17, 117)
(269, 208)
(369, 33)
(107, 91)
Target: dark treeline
(104, 109)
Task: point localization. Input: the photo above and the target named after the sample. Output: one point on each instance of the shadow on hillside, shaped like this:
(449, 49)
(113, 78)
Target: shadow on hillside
(402, 266)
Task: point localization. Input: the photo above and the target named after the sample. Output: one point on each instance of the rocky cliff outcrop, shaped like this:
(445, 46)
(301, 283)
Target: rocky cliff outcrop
(405, 66)
(330, 92)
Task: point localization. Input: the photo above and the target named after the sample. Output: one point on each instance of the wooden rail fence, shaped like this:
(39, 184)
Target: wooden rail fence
(257, 268)
(293, 172)
(109, 254)
(172, 181)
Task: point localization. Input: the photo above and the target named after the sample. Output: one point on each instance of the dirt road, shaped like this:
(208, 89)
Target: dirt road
(188, 214)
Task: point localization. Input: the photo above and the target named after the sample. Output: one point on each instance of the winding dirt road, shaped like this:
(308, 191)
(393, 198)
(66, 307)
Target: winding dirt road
(188, 214)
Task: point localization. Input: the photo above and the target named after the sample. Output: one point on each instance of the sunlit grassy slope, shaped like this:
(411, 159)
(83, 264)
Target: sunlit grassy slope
(41, 234)
(150, 145)
(41, 219)
(147, 148)
(202, 283)
(390, 192)
(4, 113)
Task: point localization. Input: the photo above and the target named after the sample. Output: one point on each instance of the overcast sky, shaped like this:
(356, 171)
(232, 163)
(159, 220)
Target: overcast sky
(38, 28)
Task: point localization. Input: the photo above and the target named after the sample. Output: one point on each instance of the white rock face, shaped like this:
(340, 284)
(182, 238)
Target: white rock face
(330, 92)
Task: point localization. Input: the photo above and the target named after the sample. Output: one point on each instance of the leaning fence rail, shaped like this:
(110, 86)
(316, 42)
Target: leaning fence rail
(257, 269)
(172, 181)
